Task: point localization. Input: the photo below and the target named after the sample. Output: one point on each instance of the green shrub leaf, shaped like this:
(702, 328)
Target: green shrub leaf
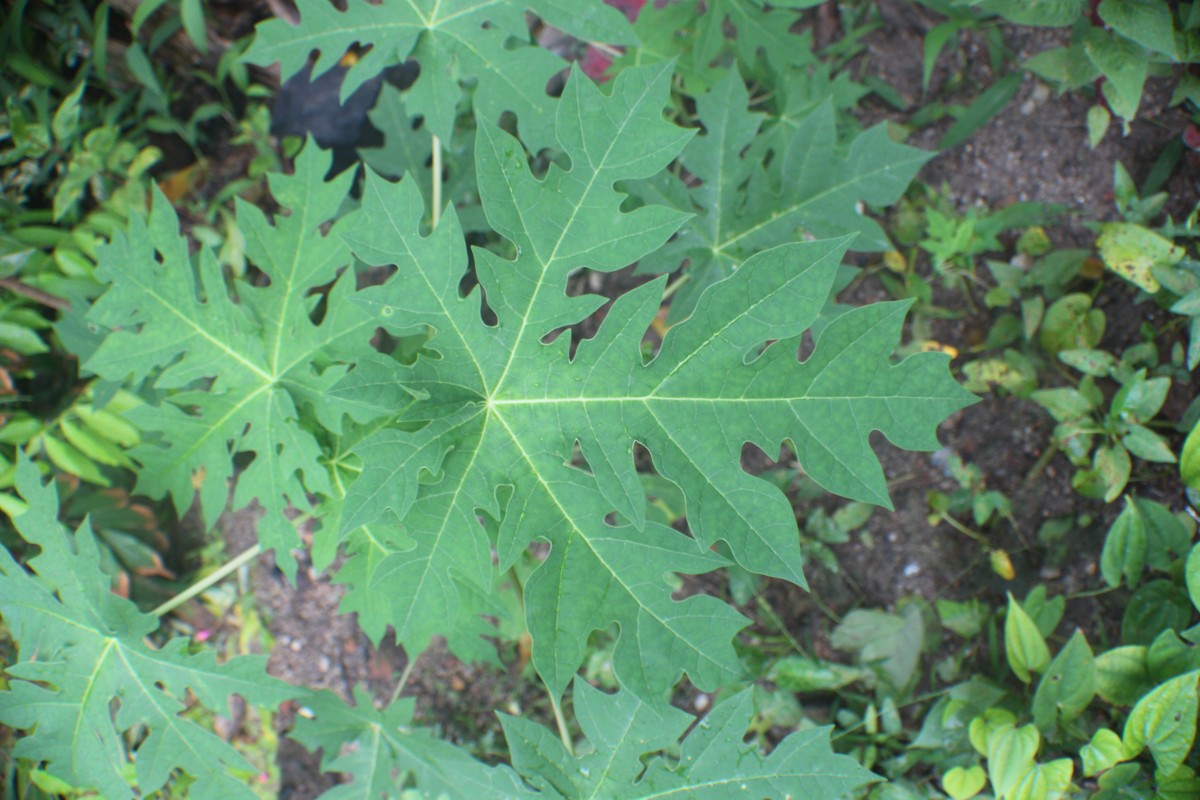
(1122, 675)
(1165, 722)
(1010, 755)
(1124, 554)
(1124, 64)
(1189, 459)
(962, 783)
(1023, 642)
(1192, 573)
(1048, 13)
(1102, 752)
(1147, 22)
(1067, 687)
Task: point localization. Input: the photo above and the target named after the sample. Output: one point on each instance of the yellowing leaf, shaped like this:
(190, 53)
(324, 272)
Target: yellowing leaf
(1103, 752)
(895, 261)
(1131, 250)
(962, 783)
(1002, 565)
(930, 346)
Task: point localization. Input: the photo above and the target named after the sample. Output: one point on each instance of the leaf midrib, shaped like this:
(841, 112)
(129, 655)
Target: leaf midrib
(719, 247)
(422, 24)
(649, 400)
(519, 340)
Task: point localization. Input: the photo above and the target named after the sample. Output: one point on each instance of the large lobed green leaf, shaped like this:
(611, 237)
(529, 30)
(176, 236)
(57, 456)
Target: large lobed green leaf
(629, 739)
(383, 750)
(745, 202)
(505, 406)
(87, 679)
(622, 760)
(703, 34)
(233, 366)
(454, 41)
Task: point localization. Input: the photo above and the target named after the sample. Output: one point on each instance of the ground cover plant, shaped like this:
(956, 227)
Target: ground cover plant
(510, 384)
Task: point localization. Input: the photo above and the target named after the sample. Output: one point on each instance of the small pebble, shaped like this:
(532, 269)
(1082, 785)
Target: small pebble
(911, 569)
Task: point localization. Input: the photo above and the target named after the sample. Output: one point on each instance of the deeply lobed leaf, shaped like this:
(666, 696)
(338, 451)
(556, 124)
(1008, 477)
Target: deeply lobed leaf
(745, 202)
(623, 758)
(233, 366)
(454, 41)
(505, 407)
(704, 35)
(629, 738)
(87, 678)
(383, 750)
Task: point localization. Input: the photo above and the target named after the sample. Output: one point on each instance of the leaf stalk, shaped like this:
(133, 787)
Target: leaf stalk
(561, 722)
(204, 583)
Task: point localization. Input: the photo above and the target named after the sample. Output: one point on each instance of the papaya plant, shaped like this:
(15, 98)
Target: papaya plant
(498, 433)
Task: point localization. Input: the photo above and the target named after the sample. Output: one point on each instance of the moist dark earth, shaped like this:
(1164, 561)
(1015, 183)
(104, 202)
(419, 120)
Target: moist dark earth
(1034, 150)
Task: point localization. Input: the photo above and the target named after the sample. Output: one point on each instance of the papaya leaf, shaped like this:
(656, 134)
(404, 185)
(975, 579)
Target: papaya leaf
(382, 748)
(234, 365)
(87, 676)
(745, 204)
(628, 739)
(408, 150)
(698, 36)
(506, 403)
(454, 41)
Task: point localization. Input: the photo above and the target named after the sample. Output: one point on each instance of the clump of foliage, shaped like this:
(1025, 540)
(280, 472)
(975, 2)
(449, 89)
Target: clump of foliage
(435, 466)
(1114, 45)
(1054, 714)
(420, 360)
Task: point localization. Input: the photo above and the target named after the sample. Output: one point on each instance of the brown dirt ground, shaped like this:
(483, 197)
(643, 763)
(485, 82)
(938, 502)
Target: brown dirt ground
(1035, 149)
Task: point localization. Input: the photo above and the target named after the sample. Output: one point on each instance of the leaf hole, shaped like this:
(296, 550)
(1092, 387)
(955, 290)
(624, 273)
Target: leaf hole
(755, 460)
(470, 282)
(807, 346)
(578, 460)
(557, 82)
